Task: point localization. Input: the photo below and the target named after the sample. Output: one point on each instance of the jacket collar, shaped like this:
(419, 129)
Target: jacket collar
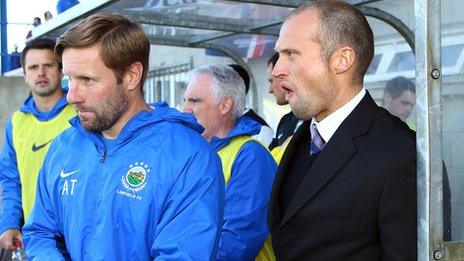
(29, 106)
(244, 126)
(161, 112)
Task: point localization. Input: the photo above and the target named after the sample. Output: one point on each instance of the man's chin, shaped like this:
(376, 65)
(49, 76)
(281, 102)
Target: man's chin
(43, 92)
(282, 102)
(87, 124)
(402, 117)
(301, 113)
(91, 128)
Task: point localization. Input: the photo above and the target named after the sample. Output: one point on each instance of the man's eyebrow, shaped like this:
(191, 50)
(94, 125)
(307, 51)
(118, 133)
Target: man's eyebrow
(408, 103)
(287, 50)
(193, 99)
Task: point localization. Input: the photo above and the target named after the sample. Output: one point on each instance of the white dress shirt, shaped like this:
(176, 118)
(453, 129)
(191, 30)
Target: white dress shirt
(330, 124)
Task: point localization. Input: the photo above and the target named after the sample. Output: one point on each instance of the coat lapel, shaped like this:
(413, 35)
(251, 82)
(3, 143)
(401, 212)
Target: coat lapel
(336, 153)
(275, 216)
(331, 159)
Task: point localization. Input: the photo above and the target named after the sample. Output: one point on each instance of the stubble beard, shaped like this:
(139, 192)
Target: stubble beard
(311, 105)
(109, 112)
(304, 108)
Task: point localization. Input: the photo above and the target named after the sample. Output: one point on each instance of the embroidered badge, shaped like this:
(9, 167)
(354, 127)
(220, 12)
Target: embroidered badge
(135, 179)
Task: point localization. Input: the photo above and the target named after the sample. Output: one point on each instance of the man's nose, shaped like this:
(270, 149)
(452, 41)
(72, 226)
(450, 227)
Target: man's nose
(42, 70)
(271, 88)
(187, 108)
(74, 93)
(280, 69)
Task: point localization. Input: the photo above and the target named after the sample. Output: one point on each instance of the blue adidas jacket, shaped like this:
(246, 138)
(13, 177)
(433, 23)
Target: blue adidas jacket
(11, 205)
(247, 195)
(154, 192)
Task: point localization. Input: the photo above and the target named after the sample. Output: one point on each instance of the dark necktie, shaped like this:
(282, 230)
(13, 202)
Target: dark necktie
(317, 142)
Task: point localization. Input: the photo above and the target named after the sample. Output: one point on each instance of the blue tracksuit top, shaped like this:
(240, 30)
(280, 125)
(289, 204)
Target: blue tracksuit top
(156, 191)
(247, 195)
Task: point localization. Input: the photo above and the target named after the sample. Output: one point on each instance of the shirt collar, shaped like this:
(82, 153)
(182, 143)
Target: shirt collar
(330, 124)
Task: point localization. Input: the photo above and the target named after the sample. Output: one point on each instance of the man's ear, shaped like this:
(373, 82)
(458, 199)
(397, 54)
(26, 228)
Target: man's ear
(226, 105)
(133, 75)
(343, 59)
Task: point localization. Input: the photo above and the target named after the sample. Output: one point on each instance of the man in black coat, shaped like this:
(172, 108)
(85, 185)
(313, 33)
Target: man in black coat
(346, 186)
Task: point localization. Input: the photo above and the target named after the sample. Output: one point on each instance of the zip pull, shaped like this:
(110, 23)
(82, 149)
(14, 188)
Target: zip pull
(103, 157)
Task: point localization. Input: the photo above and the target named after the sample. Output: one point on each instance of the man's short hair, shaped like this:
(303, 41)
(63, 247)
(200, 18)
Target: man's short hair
(341, 24)
(121, 41)
(37, 21)
(273, 59)
(243, 74)
(40, 44)
(227, 82)
(396, 86)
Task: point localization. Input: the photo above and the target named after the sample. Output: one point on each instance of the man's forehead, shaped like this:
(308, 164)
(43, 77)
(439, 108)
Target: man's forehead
(301, 26)
(407, 94)
(201, 83)
(191, 93)
(203, 78)
(33, 55)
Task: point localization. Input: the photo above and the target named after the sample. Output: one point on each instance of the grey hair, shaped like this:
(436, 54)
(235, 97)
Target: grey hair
(227, 82)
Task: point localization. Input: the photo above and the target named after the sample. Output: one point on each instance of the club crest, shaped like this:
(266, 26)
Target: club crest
(136, 177)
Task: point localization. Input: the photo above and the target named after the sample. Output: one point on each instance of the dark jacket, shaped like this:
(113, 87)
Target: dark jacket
(358, 199)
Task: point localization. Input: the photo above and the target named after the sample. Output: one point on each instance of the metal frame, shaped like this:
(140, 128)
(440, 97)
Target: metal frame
(172, 74)
(296, 3)
(424, 100)
(254, 90)
(431, 245)
(3, 30)
(391, 20)
(198, 22)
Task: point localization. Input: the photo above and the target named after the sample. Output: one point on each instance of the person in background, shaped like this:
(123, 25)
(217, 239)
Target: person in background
(15, 59)
(145, 194)
(266, 132)
(399, 98)
(28, 135)
(215, 94)
(48, 15)
(35, 23)
(289, 123)
(346, 185)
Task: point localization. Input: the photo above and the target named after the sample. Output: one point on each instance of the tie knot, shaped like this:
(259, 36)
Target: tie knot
(317, 142)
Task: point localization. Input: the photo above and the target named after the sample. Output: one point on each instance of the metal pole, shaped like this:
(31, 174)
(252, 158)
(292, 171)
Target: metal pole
(429, 141)
(4, 37)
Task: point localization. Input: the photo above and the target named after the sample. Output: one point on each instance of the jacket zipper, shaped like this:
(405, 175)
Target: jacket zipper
(103, 157)
(102, 160)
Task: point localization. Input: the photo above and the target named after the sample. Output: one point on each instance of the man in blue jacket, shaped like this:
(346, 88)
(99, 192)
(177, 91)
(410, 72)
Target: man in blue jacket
(215, 94)
(127, 181)
(29, 131)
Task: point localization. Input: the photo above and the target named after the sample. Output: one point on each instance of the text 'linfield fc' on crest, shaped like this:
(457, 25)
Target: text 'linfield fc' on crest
(134, 180)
